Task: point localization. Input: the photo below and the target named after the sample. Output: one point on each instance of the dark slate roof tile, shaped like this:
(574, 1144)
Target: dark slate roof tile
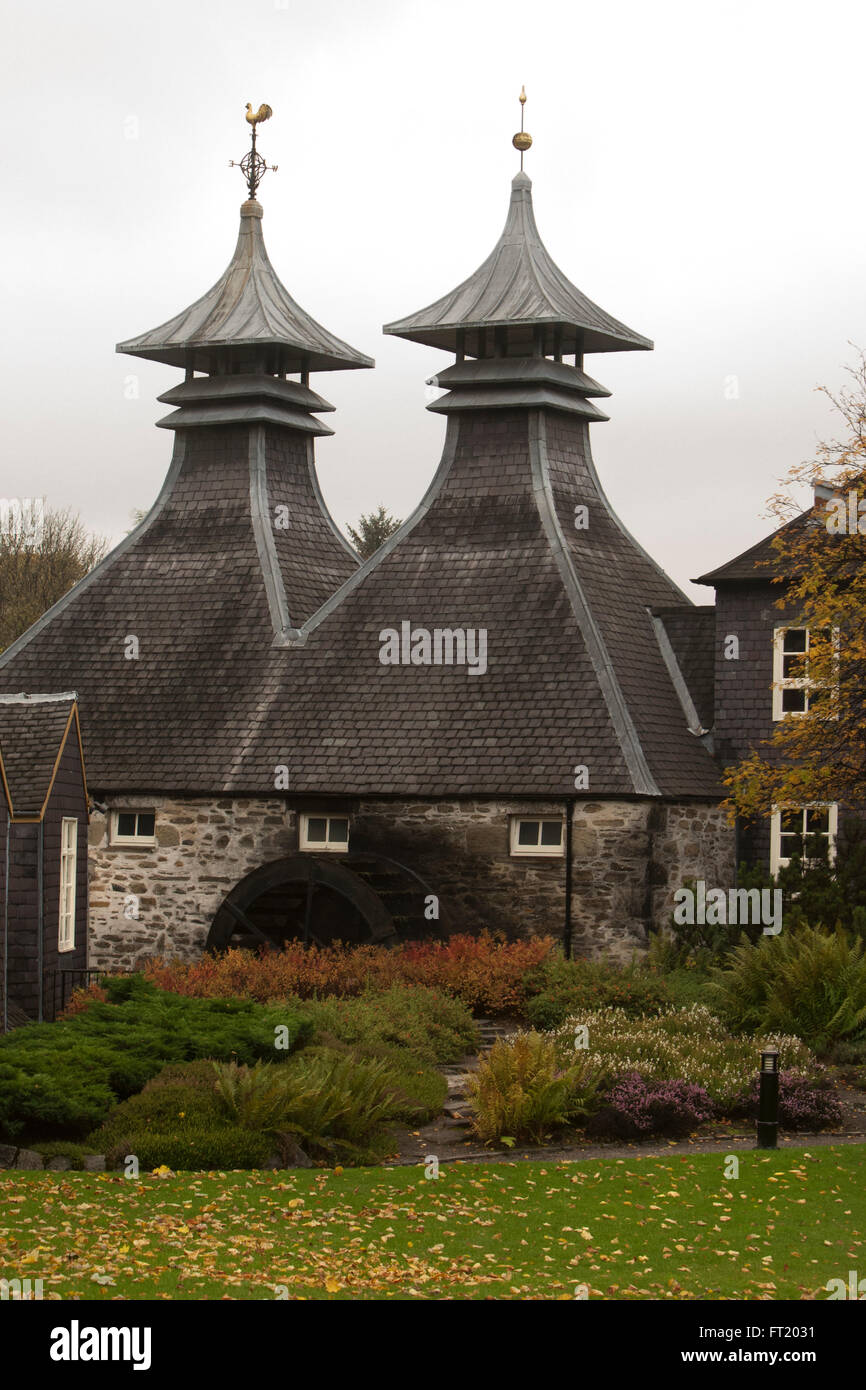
(759, 562)
(692, 634)
(31, 738)
(211, 705)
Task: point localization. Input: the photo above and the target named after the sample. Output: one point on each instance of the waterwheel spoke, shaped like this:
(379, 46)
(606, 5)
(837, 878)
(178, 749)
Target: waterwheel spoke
(243, 920)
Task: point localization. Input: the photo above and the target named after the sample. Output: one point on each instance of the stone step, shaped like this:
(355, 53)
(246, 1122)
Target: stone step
(458, 1113)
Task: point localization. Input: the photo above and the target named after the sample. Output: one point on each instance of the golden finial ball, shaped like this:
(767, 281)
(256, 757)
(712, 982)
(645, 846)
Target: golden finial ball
(521, 141)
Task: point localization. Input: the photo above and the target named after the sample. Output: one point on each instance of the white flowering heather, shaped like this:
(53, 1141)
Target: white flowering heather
(689, 1044)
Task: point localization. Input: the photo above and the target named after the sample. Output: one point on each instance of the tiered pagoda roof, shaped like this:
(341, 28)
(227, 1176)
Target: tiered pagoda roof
(250, 315)
(260, 648)
(518, 287)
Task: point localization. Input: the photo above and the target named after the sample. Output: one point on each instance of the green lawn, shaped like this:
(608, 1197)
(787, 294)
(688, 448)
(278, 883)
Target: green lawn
(669, 1227)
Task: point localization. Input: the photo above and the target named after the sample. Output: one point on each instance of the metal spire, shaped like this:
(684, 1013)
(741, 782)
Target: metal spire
(522, 140)
(252, 166)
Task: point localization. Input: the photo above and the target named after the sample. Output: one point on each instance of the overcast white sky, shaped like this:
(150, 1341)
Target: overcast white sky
(697, 170)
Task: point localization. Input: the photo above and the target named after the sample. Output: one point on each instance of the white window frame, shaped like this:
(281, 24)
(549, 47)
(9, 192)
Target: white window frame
(549, 851)
(781, 683)
(132, 841)
(776, 860)
(326, 846)
(68, 883)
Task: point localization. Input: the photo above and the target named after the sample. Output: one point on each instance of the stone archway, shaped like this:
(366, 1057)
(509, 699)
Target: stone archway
(301, 898)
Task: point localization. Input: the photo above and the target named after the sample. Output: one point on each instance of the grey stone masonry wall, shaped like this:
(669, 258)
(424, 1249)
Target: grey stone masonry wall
(204, 846)
(690, 842)
(628, 857)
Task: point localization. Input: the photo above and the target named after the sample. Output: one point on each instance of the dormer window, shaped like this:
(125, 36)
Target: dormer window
(324, 833)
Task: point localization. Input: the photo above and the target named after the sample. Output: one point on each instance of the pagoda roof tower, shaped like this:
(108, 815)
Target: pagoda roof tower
(520, 292)
(248, 335)
(248, 318)
(262, 646)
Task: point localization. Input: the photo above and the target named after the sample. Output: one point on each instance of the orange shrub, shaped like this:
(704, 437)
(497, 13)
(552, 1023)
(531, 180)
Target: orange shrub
(487, 973)
(81, 999)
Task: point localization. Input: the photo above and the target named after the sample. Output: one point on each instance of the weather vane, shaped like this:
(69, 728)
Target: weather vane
(522, 140)
(252, 166)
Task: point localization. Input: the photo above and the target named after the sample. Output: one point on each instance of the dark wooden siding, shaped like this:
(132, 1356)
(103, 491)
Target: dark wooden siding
(23, 909)
(4, 824)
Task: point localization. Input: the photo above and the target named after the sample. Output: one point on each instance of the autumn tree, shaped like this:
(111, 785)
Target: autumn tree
(819, 564)
(43, 552)
(373, 531)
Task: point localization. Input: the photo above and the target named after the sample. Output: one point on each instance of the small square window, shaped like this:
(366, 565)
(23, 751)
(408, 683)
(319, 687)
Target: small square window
(793, 665)
(324, 833)
(794, 701)
(133, 828)
(536, 836)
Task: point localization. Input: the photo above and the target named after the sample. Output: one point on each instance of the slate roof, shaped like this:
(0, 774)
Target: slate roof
(495, 546)
(33, 732)
(692, 634)
(259, 648)
(248, 309)
(519, 285)
(760, 562)
(193, 585)
(211, 705)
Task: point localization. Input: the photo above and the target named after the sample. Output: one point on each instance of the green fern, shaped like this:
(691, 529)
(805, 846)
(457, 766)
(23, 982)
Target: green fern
(252, 1097)
(521, 1091)
(810, 982)
(334, 1102)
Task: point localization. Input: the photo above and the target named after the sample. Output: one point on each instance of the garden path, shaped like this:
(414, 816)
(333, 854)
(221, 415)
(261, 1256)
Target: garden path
(450, 1140)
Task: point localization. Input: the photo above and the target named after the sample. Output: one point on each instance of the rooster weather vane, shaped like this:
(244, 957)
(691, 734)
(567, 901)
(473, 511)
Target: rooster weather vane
(252, 166)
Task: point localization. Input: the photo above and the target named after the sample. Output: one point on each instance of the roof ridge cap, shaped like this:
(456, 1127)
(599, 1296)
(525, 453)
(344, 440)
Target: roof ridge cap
(625, 731)
(25, 698)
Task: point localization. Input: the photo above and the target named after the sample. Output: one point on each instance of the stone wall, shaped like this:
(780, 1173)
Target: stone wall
(628, 857)
(690, 842)
(203, 848)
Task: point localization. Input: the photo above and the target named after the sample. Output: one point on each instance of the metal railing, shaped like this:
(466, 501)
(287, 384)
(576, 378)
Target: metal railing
(60, 985)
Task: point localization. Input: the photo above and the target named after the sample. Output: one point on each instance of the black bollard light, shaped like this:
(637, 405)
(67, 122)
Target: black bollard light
(768, 1100)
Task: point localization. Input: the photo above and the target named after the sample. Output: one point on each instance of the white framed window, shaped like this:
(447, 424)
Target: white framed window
(324, 833)
(792, 827)
(137, 828)
(537, 835)
(793, 691)
(68, 877)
